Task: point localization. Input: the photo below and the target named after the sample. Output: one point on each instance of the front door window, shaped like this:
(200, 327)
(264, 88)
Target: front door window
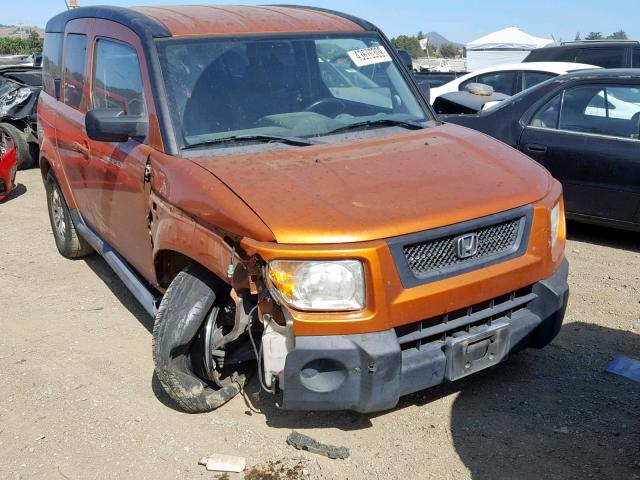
(117, 83)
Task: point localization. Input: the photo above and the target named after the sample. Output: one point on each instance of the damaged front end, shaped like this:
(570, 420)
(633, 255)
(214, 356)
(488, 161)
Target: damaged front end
(19, 91)
(246, 325)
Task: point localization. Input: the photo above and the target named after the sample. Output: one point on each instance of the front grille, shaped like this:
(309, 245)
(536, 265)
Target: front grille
(437, 329)
(440, 253)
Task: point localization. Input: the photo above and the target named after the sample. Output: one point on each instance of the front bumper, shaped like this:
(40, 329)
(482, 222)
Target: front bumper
(369, 372)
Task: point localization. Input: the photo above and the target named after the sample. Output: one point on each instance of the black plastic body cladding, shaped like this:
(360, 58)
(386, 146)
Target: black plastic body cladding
(369, 372)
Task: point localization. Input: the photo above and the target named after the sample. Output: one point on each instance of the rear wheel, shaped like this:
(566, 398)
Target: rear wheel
(69, 243)
(195, 369)
(23, 152)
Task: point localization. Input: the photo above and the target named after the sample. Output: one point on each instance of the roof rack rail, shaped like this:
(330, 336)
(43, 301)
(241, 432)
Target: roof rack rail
(602, 40)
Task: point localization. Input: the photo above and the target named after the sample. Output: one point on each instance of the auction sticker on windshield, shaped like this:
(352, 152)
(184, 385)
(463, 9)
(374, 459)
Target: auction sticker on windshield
(369, 56)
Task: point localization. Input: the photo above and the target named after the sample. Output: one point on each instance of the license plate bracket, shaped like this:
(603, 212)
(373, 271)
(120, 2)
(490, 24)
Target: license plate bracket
(481, 348)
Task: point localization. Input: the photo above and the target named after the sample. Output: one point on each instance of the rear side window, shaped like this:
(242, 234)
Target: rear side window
(74, 59)
(636, 58)
(501, 82)
(563, 55)
(621, 102)
(529, 79)
(51, 63)
(602, 109)
(117, 81)
(551, 54)
(602, 57)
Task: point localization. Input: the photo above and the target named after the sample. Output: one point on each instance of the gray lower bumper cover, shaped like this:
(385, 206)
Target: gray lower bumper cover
(369, 372)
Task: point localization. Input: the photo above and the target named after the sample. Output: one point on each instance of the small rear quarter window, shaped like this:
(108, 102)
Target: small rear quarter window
(547, 116)
(74, 77)
(51, 63)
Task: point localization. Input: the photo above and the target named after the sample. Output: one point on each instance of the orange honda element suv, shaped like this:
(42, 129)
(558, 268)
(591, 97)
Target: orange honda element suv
(273, 188)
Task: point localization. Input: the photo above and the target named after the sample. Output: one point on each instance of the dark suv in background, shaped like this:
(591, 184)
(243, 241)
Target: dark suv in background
(603, 53)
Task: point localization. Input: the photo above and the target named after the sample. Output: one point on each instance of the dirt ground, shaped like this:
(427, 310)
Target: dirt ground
(79, 400)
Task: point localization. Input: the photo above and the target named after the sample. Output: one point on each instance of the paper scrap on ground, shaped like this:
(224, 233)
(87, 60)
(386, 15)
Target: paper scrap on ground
(223, 463)
(626, 367)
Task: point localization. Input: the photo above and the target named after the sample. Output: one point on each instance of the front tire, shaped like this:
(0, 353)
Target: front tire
(23, 153)
(69, 243)
(187, 304)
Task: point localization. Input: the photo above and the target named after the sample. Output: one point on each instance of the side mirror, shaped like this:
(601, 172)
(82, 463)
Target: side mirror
(111, 125)
(491, 104)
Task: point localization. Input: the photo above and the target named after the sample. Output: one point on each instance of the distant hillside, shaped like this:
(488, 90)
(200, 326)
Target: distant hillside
(20, 40)
(21, 31)
(436, 40)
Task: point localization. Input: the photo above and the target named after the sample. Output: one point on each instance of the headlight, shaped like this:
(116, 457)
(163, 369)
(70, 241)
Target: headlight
(14, 98)
(318, 285)
(554, 219)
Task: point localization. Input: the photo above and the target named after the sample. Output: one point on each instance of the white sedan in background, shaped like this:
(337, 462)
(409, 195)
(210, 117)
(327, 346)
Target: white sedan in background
(512, 78)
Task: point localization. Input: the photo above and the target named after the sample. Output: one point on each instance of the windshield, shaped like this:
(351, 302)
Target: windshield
(298, 86)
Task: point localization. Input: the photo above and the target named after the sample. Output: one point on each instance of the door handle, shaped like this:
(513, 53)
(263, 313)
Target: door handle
(536, 148)
(81, 147)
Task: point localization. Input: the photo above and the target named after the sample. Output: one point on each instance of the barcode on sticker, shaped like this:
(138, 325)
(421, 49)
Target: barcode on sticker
(369, 56)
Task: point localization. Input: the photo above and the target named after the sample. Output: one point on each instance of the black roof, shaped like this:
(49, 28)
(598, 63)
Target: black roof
(136, 21)
(603, 42)
(602, 73)
(587, 43)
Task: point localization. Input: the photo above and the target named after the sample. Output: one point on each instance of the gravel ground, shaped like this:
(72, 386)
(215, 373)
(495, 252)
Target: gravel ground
(78, 397)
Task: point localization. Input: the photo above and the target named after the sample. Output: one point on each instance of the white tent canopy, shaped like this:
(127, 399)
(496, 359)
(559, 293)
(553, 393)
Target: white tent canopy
(509, 45)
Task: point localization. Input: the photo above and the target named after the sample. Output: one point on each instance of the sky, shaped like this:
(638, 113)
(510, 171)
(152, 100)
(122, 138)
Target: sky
(458, 20)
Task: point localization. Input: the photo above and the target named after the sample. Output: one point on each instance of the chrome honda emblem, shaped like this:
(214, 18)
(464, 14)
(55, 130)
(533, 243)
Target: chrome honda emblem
(466, 245)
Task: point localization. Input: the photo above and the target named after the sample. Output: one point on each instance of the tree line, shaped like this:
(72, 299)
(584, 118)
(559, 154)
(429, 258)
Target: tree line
(21, 46)
(411, 43)
(619, 35)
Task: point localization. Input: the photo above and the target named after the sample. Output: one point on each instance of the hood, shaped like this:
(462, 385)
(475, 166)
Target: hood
(382, 187)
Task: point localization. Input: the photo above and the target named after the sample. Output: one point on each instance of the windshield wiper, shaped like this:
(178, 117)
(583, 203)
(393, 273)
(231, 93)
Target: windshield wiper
(296, 141)
(383, 122)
